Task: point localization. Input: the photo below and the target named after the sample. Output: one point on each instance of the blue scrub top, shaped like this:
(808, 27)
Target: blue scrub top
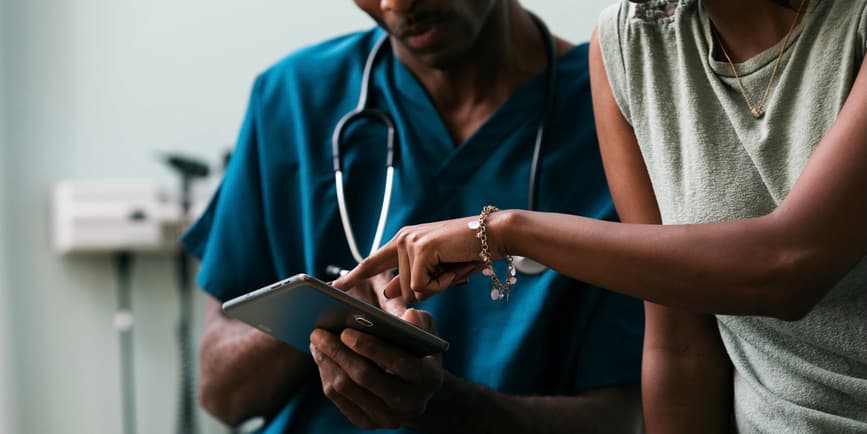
(275, 215)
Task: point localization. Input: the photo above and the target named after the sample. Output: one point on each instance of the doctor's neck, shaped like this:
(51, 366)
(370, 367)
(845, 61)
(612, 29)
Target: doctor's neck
(468, 83)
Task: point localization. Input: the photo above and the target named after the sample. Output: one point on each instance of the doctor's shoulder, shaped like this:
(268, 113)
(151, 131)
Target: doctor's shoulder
(321, 69)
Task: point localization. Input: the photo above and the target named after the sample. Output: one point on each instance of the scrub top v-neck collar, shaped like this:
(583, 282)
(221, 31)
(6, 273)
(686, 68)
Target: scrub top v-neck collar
(500, 129)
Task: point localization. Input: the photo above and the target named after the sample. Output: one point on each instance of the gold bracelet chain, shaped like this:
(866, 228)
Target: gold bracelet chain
(499, 289)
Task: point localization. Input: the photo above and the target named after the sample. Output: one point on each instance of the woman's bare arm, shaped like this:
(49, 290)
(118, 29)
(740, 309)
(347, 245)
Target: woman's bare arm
(686, 375)
(780, 264)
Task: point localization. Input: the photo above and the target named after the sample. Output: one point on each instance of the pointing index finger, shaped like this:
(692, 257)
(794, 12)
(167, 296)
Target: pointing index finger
(381, 260)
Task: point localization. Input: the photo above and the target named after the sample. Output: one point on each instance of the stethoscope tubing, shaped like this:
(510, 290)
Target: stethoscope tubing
(383, 214)
(362, 111)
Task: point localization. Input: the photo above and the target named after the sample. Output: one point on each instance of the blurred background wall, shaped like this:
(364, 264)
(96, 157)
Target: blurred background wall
(91, 89)
(6, 387)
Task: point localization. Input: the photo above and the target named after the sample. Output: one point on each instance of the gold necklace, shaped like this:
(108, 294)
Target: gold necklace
(759, 110)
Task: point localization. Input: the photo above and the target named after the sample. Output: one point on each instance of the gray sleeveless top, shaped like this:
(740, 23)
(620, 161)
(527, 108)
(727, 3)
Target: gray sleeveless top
(709, 160)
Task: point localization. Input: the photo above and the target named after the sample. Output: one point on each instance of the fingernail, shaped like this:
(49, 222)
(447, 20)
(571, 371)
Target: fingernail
(349, 337)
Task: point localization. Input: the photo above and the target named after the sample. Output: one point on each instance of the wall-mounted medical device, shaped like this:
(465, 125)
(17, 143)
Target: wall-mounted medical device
(104, 216)
(124, 218)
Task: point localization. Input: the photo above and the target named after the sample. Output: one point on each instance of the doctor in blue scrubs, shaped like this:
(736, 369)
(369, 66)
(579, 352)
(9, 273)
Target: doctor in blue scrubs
(466, 85)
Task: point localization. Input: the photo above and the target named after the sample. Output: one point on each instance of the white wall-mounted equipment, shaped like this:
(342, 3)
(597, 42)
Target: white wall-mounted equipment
(105, 216)
(120, 219)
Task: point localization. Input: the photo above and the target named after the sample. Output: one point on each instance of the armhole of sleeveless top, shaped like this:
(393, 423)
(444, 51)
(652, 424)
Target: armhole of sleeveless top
(862, 30)
(609, 33)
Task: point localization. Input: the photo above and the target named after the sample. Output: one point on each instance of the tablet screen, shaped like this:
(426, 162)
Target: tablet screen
(290, 309)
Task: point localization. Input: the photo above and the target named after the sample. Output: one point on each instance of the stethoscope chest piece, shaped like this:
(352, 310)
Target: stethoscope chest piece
(526, 265)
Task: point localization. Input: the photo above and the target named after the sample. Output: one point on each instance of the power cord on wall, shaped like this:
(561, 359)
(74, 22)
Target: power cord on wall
(123, 322)
(187, 423)
(189, 169)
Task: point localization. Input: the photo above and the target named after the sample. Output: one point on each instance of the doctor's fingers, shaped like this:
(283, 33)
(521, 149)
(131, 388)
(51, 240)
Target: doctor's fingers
(354, 413)
(422, 318)
(368, 372)
(359, 406)
(362, 379)
(418, 378)
(422, 377)
(364, 290)
(381, 282)
(390, 299)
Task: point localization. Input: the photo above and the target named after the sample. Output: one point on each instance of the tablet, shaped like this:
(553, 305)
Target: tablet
(290, 309)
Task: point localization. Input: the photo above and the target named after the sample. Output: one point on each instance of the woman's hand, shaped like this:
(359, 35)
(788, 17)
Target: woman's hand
(429, 257)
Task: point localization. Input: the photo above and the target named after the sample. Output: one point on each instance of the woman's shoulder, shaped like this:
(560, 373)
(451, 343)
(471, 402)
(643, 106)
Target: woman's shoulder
(625, 16)
(838, 23)
(847, 17)
(625, 13)
(632, 36)
(625, 24)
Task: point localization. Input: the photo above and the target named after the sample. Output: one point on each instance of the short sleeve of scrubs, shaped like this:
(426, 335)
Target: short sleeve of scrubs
(611, 347)
(231, 237)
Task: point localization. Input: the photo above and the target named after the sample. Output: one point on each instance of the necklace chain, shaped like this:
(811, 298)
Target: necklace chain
(759, 110)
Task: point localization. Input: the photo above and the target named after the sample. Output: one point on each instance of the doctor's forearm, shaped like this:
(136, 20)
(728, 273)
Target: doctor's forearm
(245, 373)
(461, 406)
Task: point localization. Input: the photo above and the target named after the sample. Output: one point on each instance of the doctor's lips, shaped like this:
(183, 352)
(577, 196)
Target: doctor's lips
(421, 31)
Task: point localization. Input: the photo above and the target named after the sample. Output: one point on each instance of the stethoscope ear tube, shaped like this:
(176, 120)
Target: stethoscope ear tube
(523, 264)
(343, 124)
(361, 111)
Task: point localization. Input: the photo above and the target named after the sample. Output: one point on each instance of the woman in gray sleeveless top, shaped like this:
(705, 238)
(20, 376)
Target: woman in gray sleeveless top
(740, 127)
(687, 81)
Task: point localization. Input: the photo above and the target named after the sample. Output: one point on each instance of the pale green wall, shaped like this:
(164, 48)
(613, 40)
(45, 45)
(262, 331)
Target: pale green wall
(93, 88)
(6, 385)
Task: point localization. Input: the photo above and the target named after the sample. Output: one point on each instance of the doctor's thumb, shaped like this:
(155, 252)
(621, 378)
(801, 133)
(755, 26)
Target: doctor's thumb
(392, 290)
(421, 318)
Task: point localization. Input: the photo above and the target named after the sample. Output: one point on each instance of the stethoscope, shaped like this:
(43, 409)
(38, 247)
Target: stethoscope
(522, 264)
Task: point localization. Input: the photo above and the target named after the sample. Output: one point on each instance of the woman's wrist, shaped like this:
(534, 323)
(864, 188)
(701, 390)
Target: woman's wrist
(503, 229)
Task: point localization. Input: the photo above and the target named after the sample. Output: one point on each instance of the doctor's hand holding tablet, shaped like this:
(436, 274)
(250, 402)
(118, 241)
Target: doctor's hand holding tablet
(379, 361)
(374, 382)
